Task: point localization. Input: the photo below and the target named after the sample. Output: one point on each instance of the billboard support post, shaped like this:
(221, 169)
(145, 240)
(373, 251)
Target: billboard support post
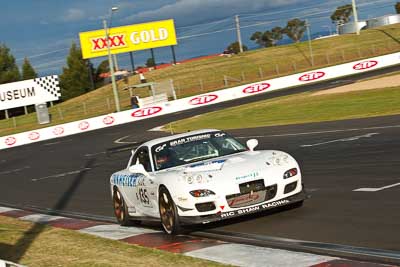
(111, 66)
(154, 59)
(173, 54)
(132, 62)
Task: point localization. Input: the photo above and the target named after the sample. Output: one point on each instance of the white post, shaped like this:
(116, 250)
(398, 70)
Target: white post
(309, 43)
(239, 37)
(353, 2)
(116, 62)
(110, 62)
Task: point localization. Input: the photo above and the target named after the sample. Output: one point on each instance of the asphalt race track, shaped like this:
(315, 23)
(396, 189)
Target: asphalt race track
(71, 174)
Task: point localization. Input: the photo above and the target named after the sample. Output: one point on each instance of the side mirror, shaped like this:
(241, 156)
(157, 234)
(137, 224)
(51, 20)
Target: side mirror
(251, 144)
(138, 168)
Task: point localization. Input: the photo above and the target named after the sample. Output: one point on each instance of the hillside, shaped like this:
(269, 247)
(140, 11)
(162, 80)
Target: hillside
(219, 72)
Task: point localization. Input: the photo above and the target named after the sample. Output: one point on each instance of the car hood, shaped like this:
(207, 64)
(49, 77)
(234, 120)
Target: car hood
(235, 169)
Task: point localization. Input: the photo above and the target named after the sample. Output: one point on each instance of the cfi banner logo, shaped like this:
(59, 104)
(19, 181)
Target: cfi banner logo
(312, 76)
(365, 65)
(10, 141)
(108, 120)
(34, 136)
(144, 112)
(58, 130)
(84, 125)
(99, 44)
(204, 99)
(256, 88)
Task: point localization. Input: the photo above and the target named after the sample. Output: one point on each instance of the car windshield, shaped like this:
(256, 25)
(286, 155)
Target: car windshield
(194, 148)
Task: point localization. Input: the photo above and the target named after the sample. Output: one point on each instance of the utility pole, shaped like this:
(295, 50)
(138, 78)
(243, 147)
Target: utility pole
(353, 2)
(111, 65)
(309, 43)
(239, 37)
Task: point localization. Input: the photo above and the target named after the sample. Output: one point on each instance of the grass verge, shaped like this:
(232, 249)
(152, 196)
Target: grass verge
(298, 108)
(200, 76)
(59, 247)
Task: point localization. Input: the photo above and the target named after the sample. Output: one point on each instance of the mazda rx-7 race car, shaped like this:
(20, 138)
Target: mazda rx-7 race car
(200, 177)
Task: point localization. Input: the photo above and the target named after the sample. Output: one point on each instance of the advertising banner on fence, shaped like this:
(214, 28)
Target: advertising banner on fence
(29, 92)
(128, 38)
(212, 98)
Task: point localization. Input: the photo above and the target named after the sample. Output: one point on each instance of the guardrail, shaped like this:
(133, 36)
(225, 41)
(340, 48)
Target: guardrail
(211, 98)
(9, 264)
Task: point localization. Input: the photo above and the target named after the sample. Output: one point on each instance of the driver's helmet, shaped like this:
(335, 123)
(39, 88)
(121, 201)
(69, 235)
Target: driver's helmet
(162, 158)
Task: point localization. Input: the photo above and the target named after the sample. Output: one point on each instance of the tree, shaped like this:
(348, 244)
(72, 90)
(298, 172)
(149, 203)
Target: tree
(397, 7)
(150, 62)
(295, 29)
(103, 67)
(74, 80)
(235, 48)
(342, 14)
(275, 35)
(9, 71)
(27, 70)
(257, 37)
(268, 38)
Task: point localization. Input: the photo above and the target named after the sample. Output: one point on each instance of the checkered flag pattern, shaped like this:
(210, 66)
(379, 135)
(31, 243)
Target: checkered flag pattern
(50, 84)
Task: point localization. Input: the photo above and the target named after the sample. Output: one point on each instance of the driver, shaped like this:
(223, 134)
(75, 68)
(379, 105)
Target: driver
(166, 158)
(163, 159)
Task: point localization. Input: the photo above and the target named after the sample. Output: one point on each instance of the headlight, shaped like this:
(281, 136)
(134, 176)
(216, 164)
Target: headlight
(279, 159)
(198, 178)
(190, 180)
(290, 173)
(202, 193)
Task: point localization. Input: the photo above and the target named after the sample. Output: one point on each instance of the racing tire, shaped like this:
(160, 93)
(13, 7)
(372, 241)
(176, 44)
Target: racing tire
(168, 213)
(120, 209)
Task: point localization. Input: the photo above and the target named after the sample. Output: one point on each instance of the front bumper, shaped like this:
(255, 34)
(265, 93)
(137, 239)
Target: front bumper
(244, 211)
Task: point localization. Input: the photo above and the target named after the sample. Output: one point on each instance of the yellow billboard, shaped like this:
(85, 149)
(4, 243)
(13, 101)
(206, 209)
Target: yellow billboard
(128, 38)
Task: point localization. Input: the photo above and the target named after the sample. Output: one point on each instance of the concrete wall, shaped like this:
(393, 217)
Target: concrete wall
(382, 21)
(351, 27)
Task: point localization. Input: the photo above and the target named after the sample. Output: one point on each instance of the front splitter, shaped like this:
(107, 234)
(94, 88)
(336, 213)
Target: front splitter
(291, 200)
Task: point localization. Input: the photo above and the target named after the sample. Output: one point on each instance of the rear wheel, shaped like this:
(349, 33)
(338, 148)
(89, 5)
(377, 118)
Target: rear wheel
(168, 213)
(120, 208)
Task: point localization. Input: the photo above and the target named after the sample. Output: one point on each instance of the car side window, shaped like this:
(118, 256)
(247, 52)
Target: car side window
(142, 157)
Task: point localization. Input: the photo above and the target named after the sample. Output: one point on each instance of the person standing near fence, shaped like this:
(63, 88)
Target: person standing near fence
(135, 101)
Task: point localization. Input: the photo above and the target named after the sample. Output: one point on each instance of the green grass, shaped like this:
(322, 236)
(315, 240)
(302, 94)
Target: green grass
(48, 246)
(206, 75)
(298, 108)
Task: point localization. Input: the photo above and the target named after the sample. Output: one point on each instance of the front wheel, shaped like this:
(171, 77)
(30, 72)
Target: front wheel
(120, 208)
(168, 212)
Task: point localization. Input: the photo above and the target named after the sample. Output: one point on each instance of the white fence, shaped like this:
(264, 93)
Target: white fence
(212, 98)
(9, 264)
(153, 100)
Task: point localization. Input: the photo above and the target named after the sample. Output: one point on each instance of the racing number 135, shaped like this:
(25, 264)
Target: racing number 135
(144, 198)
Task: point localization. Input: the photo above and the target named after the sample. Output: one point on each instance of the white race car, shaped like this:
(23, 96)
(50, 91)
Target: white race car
(200, 177)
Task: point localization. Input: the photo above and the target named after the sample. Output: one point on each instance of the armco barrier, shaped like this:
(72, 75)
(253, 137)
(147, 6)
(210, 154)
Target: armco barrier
(197, 101)
(9, 264)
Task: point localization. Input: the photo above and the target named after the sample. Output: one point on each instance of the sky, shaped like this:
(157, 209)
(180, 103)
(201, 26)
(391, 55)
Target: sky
(43, 30)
